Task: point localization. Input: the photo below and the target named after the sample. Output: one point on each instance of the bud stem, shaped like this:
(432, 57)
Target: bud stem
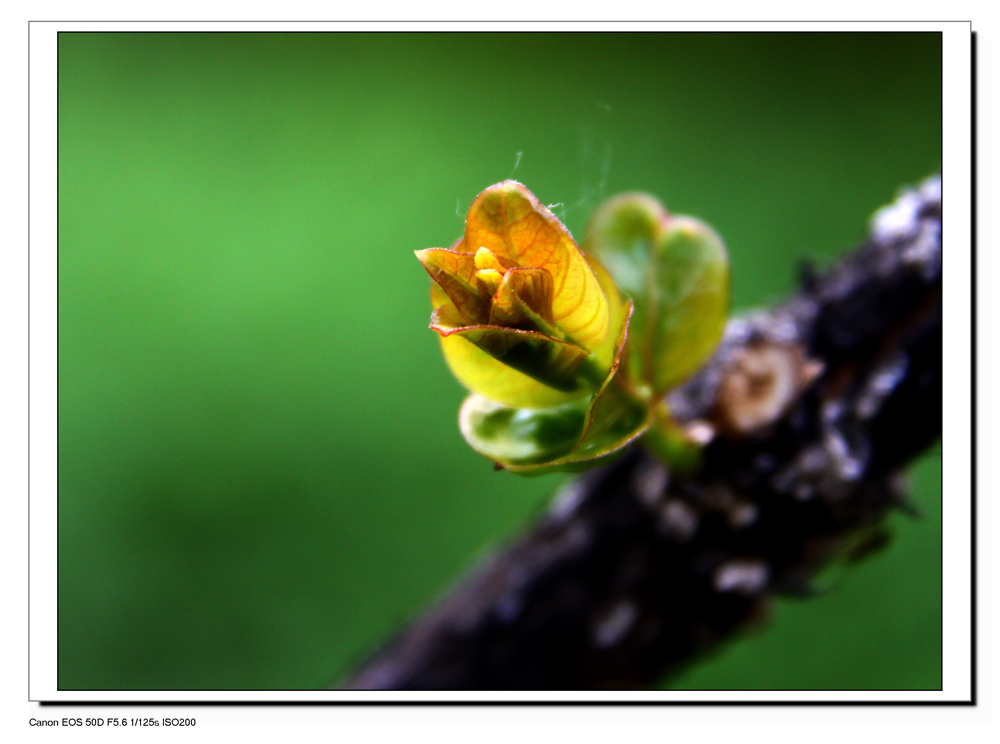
(671, 443)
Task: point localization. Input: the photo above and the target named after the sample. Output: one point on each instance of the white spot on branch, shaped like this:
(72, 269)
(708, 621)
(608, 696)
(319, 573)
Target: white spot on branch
(612, 627)
(742, 515)
(650, 482)
(679, 520)
(898, 221)
(742, 576)
(566, 501)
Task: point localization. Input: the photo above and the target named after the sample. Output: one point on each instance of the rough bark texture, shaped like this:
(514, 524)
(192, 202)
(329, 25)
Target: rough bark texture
(812, 410)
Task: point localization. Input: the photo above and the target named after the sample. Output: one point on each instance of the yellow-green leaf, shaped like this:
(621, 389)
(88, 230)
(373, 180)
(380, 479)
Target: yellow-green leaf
(549, 361)
(483, 374)
(512, 224)
(455, 274)
(517, 269)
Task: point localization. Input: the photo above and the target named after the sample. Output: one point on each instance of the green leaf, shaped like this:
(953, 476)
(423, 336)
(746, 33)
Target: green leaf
(691, 302)
(616, 418)
(564, 438)
(521, 436)
(569, 437)
(676, 271)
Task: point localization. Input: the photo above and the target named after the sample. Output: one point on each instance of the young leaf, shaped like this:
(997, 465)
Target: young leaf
(525, 319)
(676, 271)
(568, 437)
(512, 224)
(690, 303)
(516, 437)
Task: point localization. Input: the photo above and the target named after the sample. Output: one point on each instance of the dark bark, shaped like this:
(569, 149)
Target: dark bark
(813, 409)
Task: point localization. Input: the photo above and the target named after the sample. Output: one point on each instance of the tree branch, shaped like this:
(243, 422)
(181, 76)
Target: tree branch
(810, 410)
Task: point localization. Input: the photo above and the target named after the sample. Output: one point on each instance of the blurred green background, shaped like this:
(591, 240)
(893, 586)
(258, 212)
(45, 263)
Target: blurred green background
(260, 472)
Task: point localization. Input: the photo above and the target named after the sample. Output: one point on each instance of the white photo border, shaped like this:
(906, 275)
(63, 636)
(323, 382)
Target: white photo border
(958, 437)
